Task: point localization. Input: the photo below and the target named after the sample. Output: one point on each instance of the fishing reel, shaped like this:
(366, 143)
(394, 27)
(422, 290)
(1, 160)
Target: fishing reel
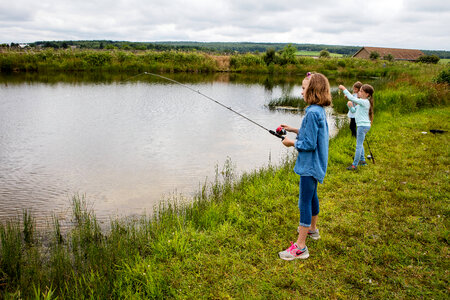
(280, 130)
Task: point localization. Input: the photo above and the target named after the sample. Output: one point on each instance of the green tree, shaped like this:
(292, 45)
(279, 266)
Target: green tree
(270, 56)
(140, 47)
(324, 54)
(288, 54)
(388, 57)
(374, 55)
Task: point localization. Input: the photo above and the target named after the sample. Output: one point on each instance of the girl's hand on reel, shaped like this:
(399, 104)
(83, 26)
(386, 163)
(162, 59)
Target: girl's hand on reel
(288, 128)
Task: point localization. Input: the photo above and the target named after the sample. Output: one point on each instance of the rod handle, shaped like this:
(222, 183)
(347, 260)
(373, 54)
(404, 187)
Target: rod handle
(277, 135)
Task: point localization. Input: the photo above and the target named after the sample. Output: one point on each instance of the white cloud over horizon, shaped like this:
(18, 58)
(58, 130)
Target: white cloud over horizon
(383, 23)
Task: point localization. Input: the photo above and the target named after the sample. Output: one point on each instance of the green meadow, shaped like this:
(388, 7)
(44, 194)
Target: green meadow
(315, 53)
(384, 228)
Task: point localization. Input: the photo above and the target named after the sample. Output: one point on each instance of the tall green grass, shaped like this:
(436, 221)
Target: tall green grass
(114, 61)
(287, 101)
(110, 61)
(401, 95)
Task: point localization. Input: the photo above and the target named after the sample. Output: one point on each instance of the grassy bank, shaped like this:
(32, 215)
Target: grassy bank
(107, 61)
(384, 228)
(132, 62)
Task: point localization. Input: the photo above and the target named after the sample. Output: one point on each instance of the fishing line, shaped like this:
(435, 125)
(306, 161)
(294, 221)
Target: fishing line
(278, 135)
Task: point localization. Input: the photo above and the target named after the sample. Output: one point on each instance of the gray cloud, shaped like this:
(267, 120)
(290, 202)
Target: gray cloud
(387, 23)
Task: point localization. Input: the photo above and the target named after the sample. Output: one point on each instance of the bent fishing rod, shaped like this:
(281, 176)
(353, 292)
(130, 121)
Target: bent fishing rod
(278, 133)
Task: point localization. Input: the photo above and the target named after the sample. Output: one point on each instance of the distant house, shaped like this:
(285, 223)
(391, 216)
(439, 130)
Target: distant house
(398, 54)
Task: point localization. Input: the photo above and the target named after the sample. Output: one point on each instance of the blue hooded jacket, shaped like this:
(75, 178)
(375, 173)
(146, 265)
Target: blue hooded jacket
(312, 144)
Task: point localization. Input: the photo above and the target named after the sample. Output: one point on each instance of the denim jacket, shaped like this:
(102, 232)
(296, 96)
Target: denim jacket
(312, 144)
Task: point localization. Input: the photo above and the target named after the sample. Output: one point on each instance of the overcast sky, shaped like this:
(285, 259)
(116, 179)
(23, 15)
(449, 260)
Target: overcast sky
(415, 24)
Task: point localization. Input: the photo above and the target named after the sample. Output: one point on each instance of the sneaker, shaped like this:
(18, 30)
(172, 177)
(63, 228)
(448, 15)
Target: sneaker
(352, 168)
(362, 163)
(294, 252)
(312, 234)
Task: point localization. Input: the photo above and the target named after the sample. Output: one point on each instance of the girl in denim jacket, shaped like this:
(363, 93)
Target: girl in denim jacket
(312, 159)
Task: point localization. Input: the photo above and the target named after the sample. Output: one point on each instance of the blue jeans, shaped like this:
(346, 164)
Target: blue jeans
(308, 202)
(361, 132)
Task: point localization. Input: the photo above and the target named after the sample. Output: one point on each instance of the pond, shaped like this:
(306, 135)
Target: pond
(127, 143)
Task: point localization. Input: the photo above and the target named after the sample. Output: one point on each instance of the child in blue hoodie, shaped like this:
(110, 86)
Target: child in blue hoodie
(312, 159)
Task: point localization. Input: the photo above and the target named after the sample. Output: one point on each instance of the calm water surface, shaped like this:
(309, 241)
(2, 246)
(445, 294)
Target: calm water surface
(127, 145)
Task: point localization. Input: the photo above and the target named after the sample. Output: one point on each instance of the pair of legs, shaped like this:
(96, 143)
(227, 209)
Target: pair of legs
(308, 205)
(361, 132)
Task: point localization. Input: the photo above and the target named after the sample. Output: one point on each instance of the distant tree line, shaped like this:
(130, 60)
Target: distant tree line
(217, 47)
(109, 45)
(213, 47)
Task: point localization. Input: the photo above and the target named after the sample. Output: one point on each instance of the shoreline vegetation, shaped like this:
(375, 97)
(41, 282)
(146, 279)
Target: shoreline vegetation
(384, 228)
(120, 61)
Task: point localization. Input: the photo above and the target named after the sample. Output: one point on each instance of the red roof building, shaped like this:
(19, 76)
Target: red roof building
(398, 54)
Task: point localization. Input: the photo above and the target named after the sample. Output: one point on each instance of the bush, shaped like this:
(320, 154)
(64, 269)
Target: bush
(270, 56)
(341, 63)
(246, 60)
(374, 55)
(324, 54)
(98, 59)
(429, 59)
(443, 77)
(388, 57)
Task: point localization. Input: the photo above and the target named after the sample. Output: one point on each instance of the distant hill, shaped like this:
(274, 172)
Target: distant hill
(216, 47)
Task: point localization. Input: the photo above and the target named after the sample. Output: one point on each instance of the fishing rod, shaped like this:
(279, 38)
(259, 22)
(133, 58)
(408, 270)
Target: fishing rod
(371, 155)
(278, 133)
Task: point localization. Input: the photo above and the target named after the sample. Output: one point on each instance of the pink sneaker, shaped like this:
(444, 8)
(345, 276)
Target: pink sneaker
(294, 252)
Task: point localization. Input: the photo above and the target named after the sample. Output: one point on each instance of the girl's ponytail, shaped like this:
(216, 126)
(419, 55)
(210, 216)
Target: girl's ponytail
(371, 109)
(369, 90)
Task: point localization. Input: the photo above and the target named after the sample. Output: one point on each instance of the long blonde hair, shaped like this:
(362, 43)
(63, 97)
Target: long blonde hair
(318, 90)
(369, 90)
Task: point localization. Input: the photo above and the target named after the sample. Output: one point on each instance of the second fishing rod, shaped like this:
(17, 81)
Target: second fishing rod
(279, 132)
